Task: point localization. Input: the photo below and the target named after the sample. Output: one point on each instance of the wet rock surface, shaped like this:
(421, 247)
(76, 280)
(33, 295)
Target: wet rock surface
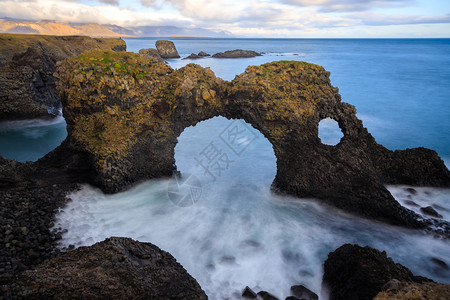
(355, 272)
(27, 64)
(193, 56)
(130, 110)
(151, 54)
(302, 292)
(117, 268)
(167, 49)
(237, 54)
(430, 211)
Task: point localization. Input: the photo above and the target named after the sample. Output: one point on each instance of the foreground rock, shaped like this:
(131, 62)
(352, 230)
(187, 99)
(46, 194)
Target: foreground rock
(122, 110)
(167, 49)
(237, 54)
(412, 290)
(355, 272)
(151, 54)
(27, 64)
(117, 268)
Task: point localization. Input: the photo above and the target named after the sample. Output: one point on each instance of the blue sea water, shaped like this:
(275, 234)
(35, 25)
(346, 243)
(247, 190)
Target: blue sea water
(237, 232)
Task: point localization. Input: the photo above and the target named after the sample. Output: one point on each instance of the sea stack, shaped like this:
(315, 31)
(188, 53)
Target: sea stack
(167, 49)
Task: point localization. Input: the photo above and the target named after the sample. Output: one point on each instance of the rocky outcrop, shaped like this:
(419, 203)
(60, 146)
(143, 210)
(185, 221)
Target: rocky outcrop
(117, 268)
(193, 56)
(151, 54)
(395, 289)
(236, 54)
(123, 110)
(203, 54)
(27, 64)
(355, 272)
(167, 49)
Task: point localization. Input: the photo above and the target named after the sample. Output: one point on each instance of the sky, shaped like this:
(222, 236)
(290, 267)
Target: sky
(251, 18)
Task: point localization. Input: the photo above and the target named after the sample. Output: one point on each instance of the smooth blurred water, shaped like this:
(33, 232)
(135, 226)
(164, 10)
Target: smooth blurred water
(238, 232)
(30, 140)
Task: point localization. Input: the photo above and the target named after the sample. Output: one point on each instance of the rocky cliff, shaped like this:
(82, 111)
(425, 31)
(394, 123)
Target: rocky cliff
(27, 64)
(125, 112)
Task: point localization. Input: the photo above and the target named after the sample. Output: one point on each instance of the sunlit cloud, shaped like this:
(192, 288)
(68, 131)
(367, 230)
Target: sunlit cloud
(273, 18)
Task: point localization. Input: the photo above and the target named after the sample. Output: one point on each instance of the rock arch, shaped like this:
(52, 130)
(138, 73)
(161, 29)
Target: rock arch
(124, 114)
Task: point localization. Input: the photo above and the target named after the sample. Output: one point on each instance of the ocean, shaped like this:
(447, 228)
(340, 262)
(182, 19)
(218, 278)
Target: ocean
(237, 232)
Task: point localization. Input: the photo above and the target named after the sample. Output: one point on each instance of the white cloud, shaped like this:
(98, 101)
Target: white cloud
(275, 18)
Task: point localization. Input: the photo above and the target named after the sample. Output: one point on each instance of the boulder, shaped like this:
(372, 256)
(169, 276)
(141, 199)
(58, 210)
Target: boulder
(266, 296)
(117, 268)
(27, 64)
(236, 54)
(167, 49)
(202, 53)
(355, 272)
(430, 211)
(302, 292)
(151, 54)
(248, 293)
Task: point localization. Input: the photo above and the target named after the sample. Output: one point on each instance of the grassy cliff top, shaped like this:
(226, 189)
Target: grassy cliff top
(59, 46)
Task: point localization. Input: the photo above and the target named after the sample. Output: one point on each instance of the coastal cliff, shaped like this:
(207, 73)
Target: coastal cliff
(122, 110)
(27, 64)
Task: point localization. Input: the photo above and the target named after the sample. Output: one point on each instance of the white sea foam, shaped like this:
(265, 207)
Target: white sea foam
(239, 233)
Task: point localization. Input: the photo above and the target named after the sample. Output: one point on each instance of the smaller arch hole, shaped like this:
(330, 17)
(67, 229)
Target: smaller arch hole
(329, 132)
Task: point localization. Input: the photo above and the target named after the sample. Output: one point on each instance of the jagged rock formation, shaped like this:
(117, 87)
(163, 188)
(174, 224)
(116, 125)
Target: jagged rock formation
(27, 64)
(413, 290)
(167, 49)
(236, 54)
(151, 54)
(117, 268)
(355, 272)
(124, 113)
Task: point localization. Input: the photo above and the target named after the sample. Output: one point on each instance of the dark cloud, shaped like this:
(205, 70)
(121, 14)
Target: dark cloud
(383, 20)
(112, 2)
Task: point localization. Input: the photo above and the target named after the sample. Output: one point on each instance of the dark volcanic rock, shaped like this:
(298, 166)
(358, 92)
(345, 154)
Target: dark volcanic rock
(27, 64)
(167, 49)
(355, 272)
(236, 54)
(151, 104)
(266, 296)
(193, 56)
(248, 293)
(151, 54)
(302, 292)
(117, 268)
(202, 53)
(430, 211)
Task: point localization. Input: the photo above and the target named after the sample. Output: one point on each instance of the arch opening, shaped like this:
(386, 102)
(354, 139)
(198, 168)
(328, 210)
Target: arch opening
(228, 152)
(330, 133)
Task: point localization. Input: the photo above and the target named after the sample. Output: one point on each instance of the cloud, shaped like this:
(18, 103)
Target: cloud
(373, 19)
(71, 11)
(112, 2)
(347, 5)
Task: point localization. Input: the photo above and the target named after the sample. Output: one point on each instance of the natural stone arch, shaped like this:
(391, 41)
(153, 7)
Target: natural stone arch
(124, 114)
